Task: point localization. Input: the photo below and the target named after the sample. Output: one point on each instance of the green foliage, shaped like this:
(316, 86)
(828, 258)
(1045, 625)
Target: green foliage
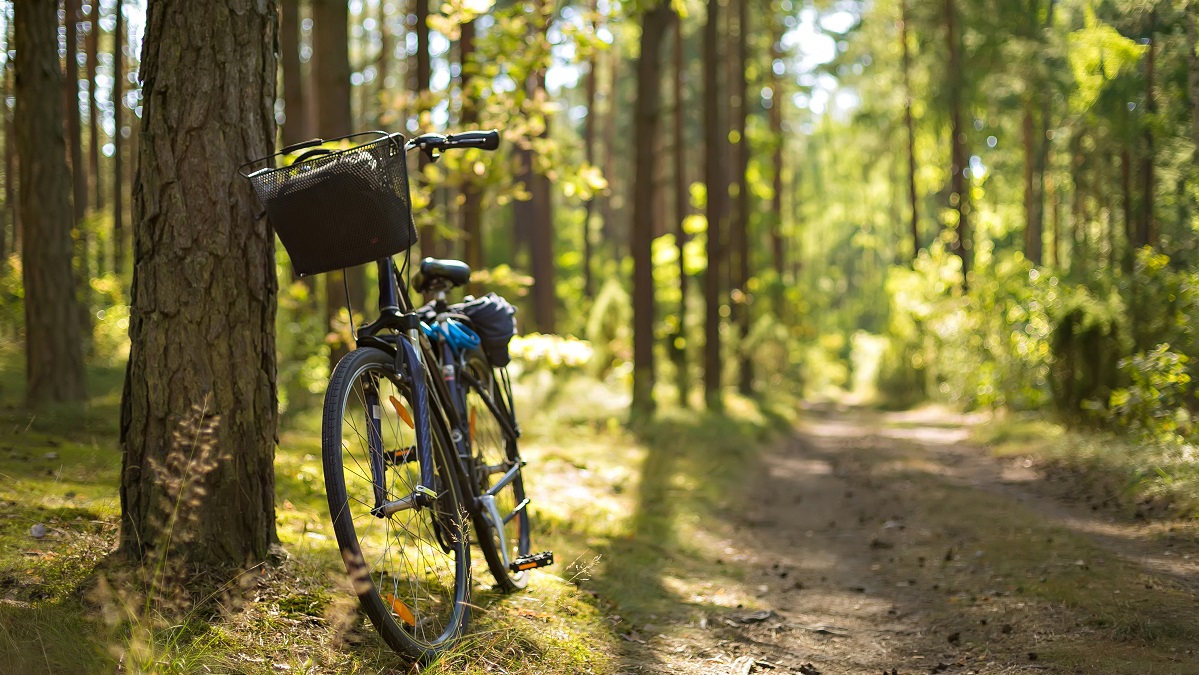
(1153, 404)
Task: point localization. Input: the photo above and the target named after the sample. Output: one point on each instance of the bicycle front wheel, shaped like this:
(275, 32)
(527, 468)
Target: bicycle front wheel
(503, 515)
(411, 567)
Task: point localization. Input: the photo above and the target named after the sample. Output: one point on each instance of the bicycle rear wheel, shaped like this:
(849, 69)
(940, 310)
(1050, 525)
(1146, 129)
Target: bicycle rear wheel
(410, 569)
(503, 518)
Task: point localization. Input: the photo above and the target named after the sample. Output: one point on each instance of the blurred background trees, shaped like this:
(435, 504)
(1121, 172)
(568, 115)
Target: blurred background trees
(988, 204)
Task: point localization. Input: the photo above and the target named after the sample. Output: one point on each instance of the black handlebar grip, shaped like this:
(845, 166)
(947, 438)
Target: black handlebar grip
(300, 146)
(484, 140)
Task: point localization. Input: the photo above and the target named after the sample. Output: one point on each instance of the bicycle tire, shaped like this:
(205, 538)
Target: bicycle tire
(494, 445)
(424, 602)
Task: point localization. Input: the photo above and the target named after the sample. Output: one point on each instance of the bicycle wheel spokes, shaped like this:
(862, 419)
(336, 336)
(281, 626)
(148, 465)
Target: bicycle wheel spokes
(414, 558)
(499, 476)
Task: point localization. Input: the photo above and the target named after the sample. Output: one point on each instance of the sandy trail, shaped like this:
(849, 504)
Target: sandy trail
(887, 543)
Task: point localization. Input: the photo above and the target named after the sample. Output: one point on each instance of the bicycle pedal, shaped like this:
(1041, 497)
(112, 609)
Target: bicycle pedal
(530, 562)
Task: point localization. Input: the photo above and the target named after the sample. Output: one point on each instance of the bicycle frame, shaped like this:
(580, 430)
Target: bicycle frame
(418, 363)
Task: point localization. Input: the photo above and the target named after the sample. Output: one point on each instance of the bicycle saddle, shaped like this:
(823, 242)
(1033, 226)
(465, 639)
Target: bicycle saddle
(434, 271)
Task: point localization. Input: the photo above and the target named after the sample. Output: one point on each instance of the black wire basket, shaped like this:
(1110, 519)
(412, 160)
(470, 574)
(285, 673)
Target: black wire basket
(339, 208)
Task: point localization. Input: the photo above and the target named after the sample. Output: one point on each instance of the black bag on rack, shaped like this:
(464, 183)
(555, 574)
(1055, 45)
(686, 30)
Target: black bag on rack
(494, 319)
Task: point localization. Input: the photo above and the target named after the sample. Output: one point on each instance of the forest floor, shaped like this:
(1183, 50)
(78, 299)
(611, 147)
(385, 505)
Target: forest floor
(890, 542)
(849, 541)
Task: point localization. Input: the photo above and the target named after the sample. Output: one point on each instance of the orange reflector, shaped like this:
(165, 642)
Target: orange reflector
(401, 610)
(527, 566)
(402, 411)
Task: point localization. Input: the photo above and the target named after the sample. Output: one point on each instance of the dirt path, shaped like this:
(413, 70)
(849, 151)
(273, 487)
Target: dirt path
(886, 543)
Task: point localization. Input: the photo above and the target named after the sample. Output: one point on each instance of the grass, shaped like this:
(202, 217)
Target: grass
(631, 515)
(1145, 478)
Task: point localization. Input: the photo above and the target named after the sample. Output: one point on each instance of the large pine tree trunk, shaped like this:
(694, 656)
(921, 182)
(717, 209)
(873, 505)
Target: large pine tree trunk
(331, 55)
(119, 247)
(53, 344)
(203, 309)
(654, 25)
(714, 147)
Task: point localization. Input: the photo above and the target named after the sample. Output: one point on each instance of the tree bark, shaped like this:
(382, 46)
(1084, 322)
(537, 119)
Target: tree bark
(654, 25)
(119, 247)
(203, 310)
(717, 196)
(93, 60)
(53, 336)
(959, 195)
(682, 201)
(331, 55)
(914, 224)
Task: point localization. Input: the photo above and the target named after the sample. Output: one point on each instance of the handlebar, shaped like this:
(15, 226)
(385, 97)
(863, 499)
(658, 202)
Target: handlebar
(433, 144)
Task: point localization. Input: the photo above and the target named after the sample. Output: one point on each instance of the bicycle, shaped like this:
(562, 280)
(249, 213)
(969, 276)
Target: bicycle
(419, 431)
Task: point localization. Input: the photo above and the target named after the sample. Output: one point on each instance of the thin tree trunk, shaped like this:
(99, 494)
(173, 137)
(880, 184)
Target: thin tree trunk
(295, 121)
(589, 157)
(911, 127)
(11, 219)
(541, 225)
(959, 196)
(682, 199)
(1032, 225)
(1056, 225)
(740, 232)
(1147, 236)
(472, 226)
(93, 60)
(611, 227)
(119, 247)
(714, 146)
(1192, 43)
(424, 74)
(383, 67)
(71, 108)
(200, 247)
(654, 25)
(330, 20)
(53, 336)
